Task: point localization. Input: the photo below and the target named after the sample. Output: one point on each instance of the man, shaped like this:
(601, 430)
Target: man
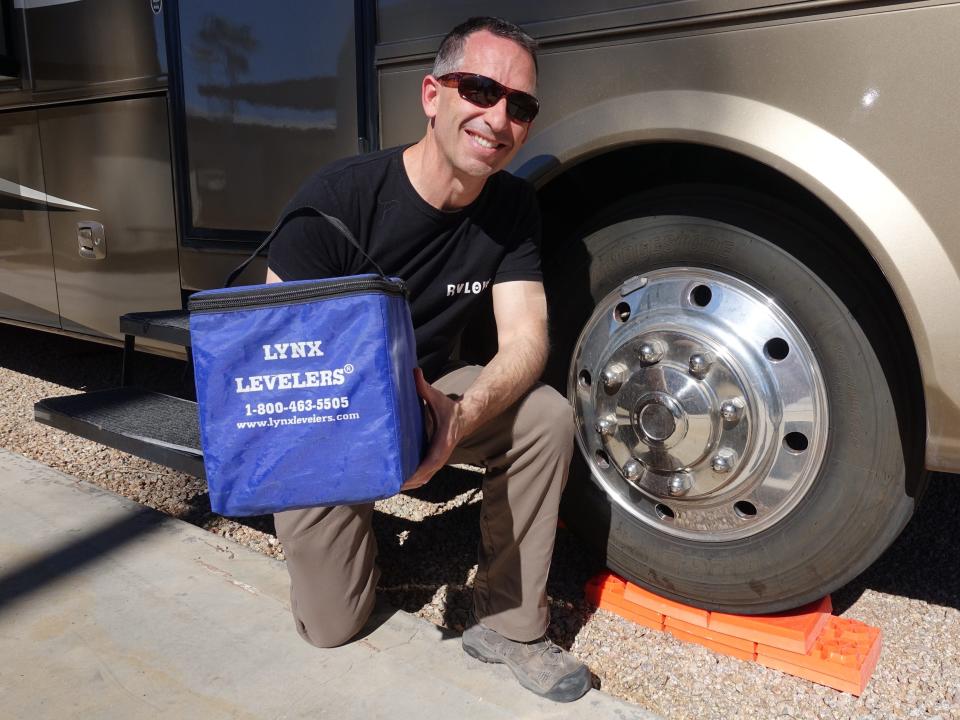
(442, 215)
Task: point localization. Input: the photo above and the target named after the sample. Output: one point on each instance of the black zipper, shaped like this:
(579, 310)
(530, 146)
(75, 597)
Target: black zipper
(278, 295)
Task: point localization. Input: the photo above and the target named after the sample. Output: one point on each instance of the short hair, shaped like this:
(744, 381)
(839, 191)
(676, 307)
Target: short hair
(450, 54)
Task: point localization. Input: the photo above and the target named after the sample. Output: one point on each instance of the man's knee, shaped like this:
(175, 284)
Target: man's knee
(331, 558)
(551, 416)
(332, 626)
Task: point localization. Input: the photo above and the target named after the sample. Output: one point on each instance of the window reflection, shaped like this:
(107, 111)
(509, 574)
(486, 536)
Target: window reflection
(270, 97)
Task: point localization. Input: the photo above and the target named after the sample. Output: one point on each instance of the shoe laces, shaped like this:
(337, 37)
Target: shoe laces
(551, 653)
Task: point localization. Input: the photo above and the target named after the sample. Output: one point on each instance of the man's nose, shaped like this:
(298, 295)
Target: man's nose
(497, 117)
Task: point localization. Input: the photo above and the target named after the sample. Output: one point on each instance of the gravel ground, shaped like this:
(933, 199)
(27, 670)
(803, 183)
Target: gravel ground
(427, 545)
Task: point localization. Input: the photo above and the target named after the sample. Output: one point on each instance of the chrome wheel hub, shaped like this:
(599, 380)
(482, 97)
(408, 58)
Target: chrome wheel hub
(700, 405)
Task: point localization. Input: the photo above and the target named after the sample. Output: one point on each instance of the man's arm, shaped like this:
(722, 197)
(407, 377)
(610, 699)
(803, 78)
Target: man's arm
(272, 277)
(520, 310)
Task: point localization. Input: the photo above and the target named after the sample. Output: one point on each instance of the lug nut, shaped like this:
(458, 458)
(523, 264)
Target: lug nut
(722, 463)
(699, 365)
(731, 410)
(632, 470)
(613, 376)
(650, 353)
(680, 484)
(606, 425)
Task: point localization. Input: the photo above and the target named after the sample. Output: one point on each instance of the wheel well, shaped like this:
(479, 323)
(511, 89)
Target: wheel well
(571, 202)
(587, 188)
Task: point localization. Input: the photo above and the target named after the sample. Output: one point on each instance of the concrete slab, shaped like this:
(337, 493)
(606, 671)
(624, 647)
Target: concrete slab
(112, 610)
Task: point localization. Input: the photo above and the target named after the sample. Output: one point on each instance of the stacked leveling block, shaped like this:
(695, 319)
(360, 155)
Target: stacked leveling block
(807, 642)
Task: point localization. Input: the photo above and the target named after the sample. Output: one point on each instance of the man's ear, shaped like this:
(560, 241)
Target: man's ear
(430, 96)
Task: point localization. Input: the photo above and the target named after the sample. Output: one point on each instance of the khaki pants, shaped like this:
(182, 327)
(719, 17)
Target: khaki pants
(331, 552)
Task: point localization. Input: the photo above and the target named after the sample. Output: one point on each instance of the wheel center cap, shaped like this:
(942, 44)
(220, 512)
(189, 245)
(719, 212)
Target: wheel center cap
(656, 422)
(659, 421)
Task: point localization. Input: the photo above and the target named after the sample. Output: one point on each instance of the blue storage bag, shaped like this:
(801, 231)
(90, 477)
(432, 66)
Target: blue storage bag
(306, 393)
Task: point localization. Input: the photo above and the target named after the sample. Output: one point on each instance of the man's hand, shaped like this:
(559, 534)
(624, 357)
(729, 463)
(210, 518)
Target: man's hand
(444, 428)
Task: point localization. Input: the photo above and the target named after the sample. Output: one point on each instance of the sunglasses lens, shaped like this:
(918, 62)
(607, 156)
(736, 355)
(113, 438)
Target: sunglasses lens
(485, 92)
(522, 107)
(481, 91)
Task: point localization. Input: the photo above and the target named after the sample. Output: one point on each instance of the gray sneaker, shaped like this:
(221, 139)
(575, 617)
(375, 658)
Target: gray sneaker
(540, 666)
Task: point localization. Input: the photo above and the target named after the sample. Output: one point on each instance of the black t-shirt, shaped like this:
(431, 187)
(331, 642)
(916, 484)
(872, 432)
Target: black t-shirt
(448, 259)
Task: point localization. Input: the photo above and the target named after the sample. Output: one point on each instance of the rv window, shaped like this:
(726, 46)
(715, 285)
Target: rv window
(268, 97)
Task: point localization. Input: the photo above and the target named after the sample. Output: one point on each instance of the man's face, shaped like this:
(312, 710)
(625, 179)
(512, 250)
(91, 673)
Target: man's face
(478, 141)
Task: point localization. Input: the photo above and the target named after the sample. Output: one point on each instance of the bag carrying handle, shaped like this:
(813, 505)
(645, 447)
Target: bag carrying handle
(336, 222)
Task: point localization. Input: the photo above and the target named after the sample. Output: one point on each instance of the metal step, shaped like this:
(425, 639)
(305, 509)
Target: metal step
(172, 326)
(154, 426)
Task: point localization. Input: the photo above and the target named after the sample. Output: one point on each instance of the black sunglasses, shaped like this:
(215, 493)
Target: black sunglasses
(485, 92)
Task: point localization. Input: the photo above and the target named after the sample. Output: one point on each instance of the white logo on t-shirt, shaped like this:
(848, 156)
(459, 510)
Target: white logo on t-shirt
(467, 288)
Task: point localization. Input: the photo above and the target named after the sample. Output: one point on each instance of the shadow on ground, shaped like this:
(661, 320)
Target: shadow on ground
(418, 557)
(83, 365)
(922, 563)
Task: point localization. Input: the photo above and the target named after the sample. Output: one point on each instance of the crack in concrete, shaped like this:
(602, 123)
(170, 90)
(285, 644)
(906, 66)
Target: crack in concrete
(227, 576)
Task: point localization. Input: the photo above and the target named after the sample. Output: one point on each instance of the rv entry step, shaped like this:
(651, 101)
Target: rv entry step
(151, 425)
(171, 326)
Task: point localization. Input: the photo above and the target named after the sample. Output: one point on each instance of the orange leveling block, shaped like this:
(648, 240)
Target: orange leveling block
(807, 642)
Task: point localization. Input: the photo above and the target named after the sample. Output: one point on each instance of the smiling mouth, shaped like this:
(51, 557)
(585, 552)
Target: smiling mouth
(484, 142)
